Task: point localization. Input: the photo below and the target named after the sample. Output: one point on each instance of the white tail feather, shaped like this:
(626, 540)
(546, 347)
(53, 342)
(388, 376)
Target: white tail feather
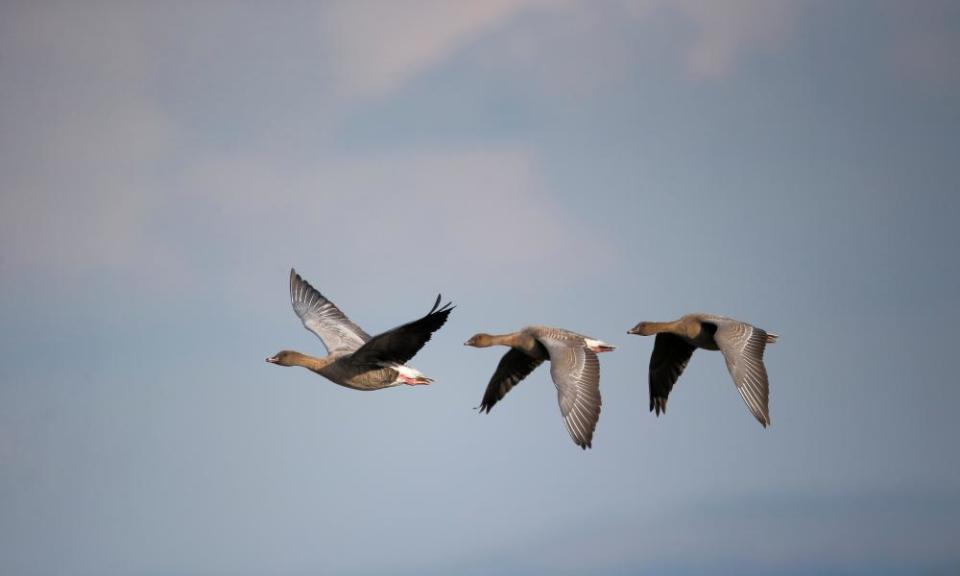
(598, 345)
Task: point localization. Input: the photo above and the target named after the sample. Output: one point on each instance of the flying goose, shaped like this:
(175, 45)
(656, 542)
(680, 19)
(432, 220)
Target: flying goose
(574, 368)
(742, 346)
(354, 358)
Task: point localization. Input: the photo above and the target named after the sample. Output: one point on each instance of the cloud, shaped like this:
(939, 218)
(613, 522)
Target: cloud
(97, 168)
(418, 218)
(101, 176)
(81, 141)
(728, 30)
(723, 32)
(376, 47)
(374, 51)
(102, 184)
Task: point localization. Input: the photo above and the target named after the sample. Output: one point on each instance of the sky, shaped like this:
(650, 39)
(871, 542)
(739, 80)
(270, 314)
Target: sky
(581, 164)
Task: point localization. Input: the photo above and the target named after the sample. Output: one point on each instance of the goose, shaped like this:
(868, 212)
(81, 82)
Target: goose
(574, 368)
(354, 358)
(742, 346)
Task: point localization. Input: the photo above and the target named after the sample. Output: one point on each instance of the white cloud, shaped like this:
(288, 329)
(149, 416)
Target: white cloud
(95, 180)
(373, 48)
(102, 184)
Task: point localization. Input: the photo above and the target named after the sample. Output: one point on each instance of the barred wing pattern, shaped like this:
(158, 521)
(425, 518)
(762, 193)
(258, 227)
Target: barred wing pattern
(323, 318)
(742, 346)
(576, 374)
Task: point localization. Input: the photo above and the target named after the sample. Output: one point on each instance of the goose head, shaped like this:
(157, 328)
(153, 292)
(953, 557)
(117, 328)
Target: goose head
(480, 340)
(284, 358)
(642, 329)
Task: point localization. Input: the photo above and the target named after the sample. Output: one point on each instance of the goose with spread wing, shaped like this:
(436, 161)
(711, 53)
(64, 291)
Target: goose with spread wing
(741, 344)
(354, 358)
(574, 368)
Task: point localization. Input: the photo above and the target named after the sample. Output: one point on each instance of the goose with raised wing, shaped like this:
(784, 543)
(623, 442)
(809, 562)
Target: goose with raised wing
(741, 344)
(355, 359)
(574, 367)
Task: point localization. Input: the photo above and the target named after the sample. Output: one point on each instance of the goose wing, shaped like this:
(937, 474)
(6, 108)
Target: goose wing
(670, 356)
(323, 318)
(742, 346)
(401, 343)
(576, 374)
(513, 367)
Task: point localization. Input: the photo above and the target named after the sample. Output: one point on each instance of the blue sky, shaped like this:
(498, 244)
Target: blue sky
(579, 164)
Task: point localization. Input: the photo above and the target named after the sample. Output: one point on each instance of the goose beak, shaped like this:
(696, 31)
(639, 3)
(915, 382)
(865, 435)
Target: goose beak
(272, 360)
(632, 331)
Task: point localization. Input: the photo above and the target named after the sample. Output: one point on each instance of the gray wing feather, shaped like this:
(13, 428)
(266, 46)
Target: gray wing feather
(323, 318)
(576, 374)
(742, 346)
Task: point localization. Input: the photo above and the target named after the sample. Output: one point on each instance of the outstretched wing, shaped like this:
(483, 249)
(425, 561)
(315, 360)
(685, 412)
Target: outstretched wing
(576, 374)
(742, 346)
(670, 356)
(401, 343)
(513, 367)
(321, 317)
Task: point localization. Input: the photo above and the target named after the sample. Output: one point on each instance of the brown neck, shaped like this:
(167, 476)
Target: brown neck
(681, 327)
(658, 327)
(309, 362)
(519, 340)
(504, 339)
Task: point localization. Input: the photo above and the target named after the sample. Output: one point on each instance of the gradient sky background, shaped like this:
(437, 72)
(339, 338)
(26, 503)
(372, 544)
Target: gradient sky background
(581, 164)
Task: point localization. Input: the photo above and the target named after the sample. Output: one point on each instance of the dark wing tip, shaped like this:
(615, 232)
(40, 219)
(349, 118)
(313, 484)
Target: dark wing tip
(439, 313)
(296, 280)
(437, 318)
(485, 406)
(437, 309)
(658, 405)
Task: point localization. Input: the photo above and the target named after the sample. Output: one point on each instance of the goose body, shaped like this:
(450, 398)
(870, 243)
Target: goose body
(741, 344)
(354, 358)
(574, 368)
